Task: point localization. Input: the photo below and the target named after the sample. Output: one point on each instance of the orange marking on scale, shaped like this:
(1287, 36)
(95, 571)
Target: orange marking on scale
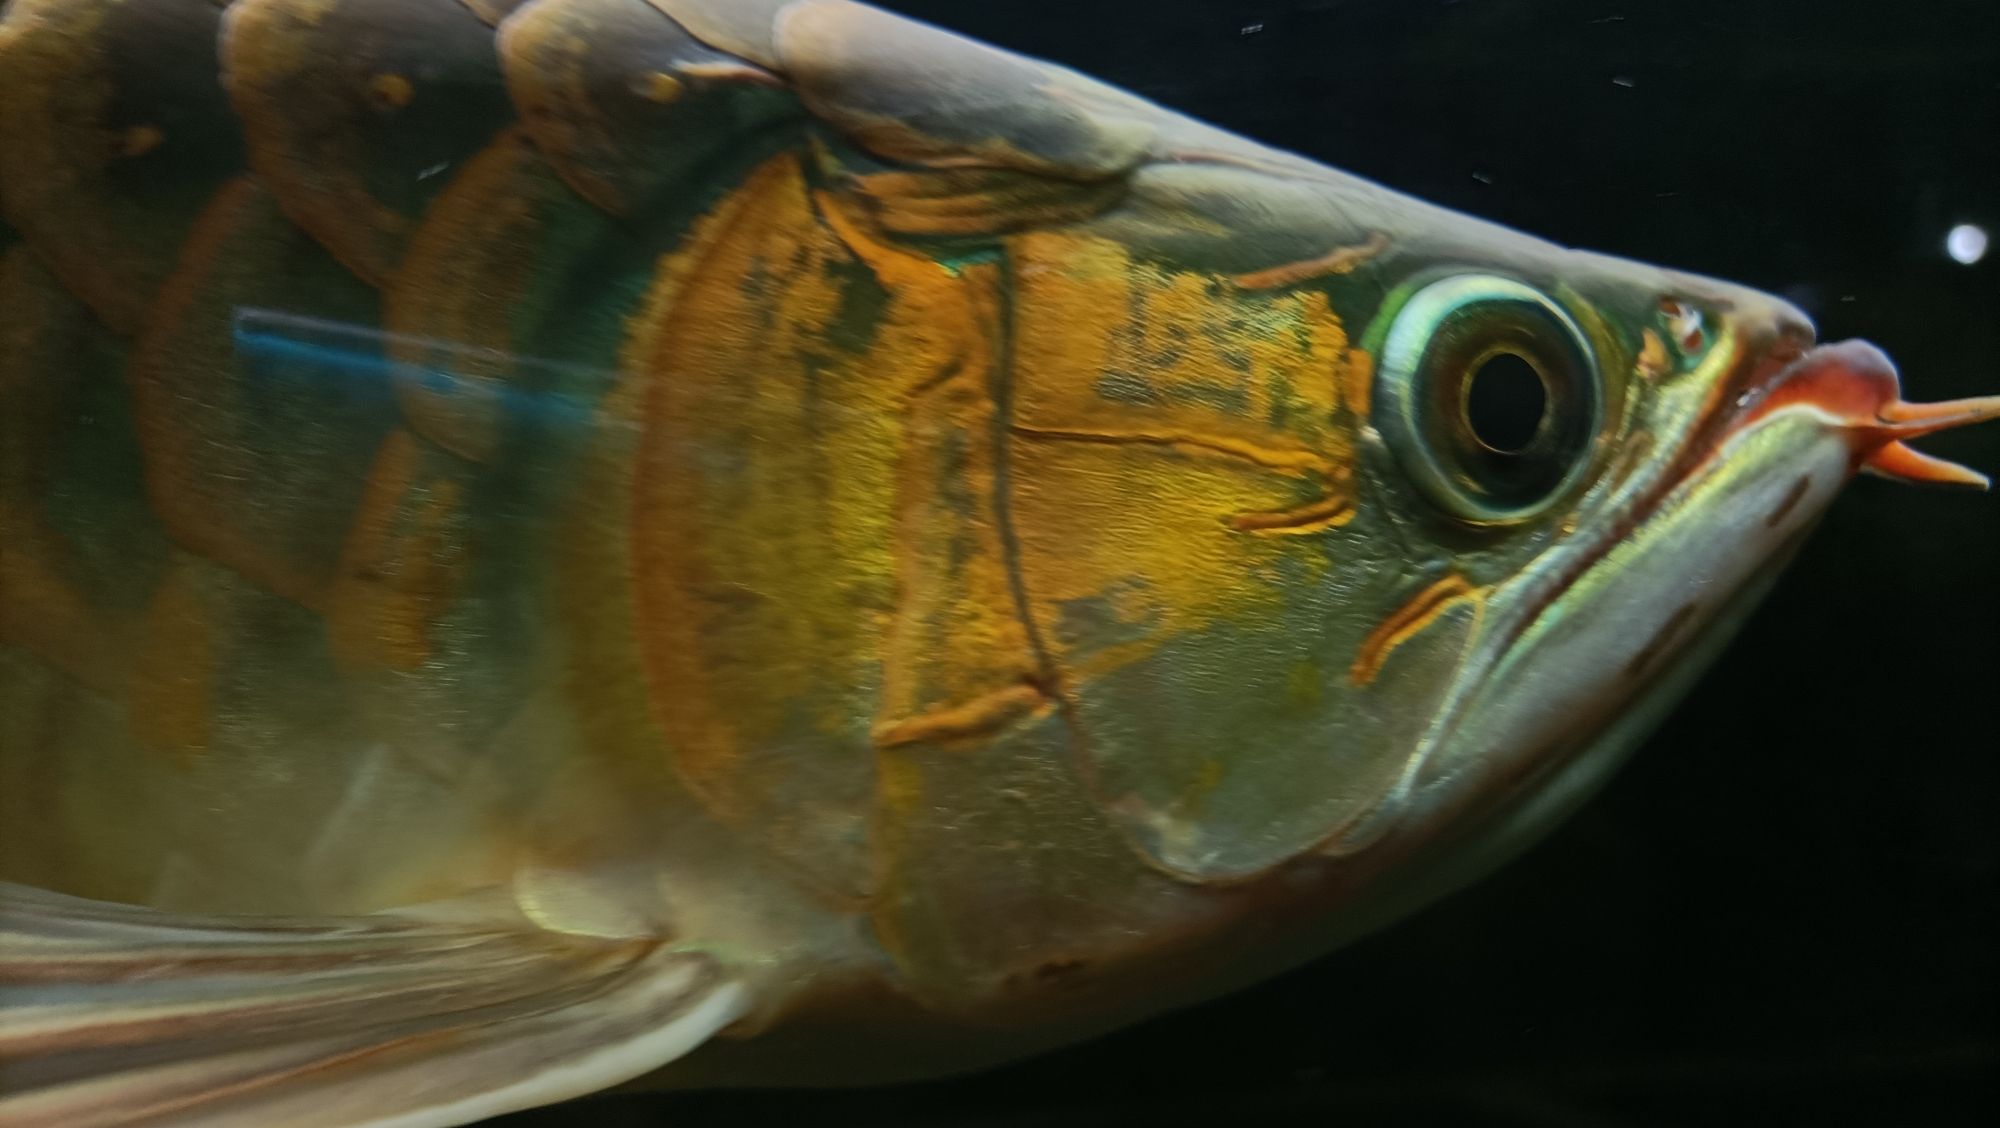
(722, 70)
(896, 270)
(1340, 260)
(975, 201)
(1272, 458)
(140, 140)
(401, 564)
(391, 91)
(1312, 517)
(662, 88)
(1358, 382)
(1328, 513)
(1654, 362)
(1404, 623)
(971, 718)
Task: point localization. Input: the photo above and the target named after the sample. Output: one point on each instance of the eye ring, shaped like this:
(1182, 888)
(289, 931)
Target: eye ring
(1449, 351)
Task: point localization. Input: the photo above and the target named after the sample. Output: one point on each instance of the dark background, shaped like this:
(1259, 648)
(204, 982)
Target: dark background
(1785, 910)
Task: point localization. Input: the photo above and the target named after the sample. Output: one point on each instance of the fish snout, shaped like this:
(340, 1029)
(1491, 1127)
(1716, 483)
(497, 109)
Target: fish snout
(1854, 386)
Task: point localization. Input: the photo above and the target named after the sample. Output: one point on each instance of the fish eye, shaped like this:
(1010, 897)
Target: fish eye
(1487, 392)
(1506, 402)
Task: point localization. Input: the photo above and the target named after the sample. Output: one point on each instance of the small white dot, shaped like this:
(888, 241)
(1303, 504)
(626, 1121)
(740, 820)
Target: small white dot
(1966, 243)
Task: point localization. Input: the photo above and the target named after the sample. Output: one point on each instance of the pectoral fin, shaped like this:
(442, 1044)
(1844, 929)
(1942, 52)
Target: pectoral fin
(113, 1014)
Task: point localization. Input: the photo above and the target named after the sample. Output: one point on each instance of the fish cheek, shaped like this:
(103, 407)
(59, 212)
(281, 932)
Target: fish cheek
(1200, 563)
(1224, 712)
(1635, 617)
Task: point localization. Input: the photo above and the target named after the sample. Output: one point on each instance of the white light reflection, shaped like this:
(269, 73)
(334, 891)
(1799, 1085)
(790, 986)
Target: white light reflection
(1966, 243)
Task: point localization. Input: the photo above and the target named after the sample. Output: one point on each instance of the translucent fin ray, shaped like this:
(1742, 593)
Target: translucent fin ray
(116, 1015)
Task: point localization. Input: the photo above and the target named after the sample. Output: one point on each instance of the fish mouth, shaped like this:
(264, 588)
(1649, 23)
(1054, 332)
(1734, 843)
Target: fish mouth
(1850, 387)
(1853, 386)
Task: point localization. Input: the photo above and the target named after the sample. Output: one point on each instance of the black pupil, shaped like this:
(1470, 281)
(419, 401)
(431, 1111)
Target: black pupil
(1505, 403)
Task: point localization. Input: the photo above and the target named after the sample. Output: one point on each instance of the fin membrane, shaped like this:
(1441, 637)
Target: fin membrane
(114, 1014)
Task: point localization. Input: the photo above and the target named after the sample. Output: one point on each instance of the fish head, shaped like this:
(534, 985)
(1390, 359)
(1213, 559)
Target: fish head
(1682, 436)
(1548, 485)
(1553, 481)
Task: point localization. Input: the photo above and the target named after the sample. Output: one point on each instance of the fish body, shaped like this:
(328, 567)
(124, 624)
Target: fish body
(540, 539)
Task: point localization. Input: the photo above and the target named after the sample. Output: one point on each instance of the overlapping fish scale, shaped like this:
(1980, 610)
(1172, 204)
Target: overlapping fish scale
(624, 102)
(358, 112)
(113, 135)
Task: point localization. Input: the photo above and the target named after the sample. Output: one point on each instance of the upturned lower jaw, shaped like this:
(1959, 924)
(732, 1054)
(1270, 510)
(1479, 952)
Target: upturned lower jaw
(1854, 386)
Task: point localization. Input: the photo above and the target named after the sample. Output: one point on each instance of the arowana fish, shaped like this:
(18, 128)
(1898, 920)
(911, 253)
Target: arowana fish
(754, 540)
